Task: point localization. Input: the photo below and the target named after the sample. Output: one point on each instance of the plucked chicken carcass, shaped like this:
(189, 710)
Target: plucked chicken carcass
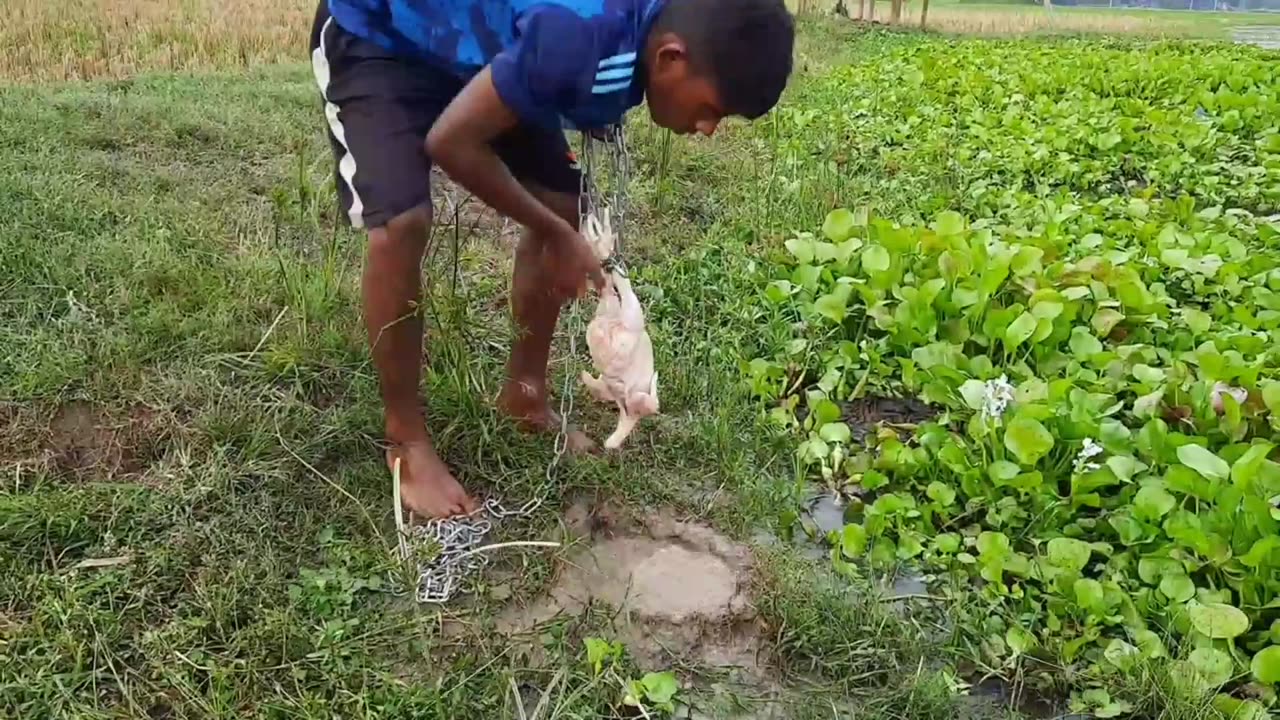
(619, 343)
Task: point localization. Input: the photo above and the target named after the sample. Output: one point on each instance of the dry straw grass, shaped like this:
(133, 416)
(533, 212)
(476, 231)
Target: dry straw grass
(79, 39)
(1025, 20)
(44, 40)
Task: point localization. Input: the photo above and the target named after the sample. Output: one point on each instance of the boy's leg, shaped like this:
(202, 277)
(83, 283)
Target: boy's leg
(543, 160)
(379, 109)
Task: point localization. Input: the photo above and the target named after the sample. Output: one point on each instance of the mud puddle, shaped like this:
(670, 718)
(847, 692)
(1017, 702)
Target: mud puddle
(677, 594)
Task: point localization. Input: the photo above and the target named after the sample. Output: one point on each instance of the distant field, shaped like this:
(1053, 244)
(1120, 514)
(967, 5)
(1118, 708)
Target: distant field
(996, 18)
(1025, 18)
(80, 39)
(73, 39)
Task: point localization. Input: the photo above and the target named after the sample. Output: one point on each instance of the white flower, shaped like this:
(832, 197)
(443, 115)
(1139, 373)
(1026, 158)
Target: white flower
(997, 396)
(1221, 389)
(1089, 450)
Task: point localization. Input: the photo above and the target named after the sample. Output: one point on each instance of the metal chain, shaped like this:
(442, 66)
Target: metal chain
(620, 170)
(448, 550)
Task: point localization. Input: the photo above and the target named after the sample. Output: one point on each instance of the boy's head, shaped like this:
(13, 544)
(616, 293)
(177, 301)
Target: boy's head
(708, 59)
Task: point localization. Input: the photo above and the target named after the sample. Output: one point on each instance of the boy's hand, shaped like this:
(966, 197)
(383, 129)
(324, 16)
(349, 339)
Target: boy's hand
(571, 263)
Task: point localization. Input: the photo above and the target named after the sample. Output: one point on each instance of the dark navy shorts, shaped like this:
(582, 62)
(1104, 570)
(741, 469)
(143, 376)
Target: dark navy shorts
(379, 107)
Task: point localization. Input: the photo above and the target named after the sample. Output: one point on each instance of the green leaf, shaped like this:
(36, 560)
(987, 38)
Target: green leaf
(1261, 551)
(661, 687)
(1083, 344)
(1178, 588)
(1028, 440)
(1114, 709)
(1146, 406)
(909, 546)
(1069, 553)
(974, 393)
(1089, 594)
(1197, 320)
(1047, 310)
(1153, 569)
(1129, 528)
(1147, 374)
(1019, 640)
(1266, 665)
(883, 552)
(1108, 140)
(993, 544)
(801, 248)
(1203, 461)
(1213, 665)
(1121, 654)
(1002, 471)
(1124, 466)
(1235, 709)
(853, 541)
(1152, 502)
(1106, 319)
(839, 225)
(941, 493)
(947, 543)
(778, 291)
(824, 412)
(833, 306)
(1244, 471)
(875, 259)
(807, 276)
(1271, 397)
(873, 480)
(599, 652)
(1150, 644)
(949, 222)
(835, 432)
(1218, 620)
(1182, 479)
(1019, 330)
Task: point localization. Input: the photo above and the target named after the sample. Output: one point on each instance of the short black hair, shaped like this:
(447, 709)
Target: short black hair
(743, 46)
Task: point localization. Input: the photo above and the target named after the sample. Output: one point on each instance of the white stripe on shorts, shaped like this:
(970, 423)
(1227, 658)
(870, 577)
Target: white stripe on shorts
(347, 165)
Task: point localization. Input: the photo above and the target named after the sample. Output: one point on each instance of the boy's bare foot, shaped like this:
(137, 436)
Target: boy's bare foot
(427, 487)
(530, 407)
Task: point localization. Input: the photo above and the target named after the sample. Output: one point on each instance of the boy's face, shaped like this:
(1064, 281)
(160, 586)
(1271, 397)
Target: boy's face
(680, 99)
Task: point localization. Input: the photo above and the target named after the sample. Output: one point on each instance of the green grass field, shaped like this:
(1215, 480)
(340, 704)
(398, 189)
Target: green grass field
(187, 392)
(196, 520)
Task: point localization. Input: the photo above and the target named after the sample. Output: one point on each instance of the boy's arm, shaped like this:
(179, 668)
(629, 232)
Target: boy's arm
(460, 143)
(526, 83)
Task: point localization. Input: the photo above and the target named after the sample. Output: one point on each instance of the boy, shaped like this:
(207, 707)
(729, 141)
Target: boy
(484, 89)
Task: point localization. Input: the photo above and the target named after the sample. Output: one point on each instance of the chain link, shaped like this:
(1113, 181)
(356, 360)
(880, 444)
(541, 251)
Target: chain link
(448, 550)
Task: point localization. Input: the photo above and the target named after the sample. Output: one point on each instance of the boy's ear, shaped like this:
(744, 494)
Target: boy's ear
(671, 52)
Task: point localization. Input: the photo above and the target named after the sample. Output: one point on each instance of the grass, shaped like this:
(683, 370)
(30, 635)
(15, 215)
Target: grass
(196, 519)
(186, 393)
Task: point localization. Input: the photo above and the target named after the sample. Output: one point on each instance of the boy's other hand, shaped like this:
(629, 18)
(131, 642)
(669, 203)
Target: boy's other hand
(571, 263)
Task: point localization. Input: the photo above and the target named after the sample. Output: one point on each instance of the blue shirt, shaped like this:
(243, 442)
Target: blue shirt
(556, 63)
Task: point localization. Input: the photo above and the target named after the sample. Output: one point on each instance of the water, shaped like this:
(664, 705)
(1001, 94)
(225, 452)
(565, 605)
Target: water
(828, 513)
(1264, 36)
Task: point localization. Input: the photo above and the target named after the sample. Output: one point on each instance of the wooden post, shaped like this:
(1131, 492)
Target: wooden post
(895, 12)
(924, 14)
(862, 9)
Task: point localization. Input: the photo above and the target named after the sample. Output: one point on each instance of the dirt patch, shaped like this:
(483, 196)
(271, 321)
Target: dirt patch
(678, 593)
(456, 210)
(91, 443)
